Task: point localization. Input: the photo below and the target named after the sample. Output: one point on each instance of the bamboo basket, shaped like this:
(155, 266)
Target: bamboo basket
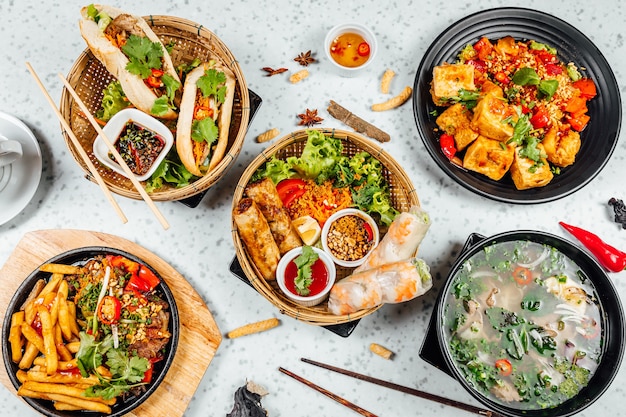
(89, 78)
(403, 196)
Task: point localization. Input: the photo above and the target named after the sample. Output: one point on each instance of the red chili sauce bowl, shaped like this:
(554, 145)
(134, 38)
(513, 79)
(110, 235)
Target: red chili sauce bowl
(323, 276)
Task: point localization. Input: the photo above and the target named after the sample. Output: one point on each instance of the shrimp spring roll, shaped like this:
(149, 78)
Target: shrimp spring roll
(266, 197)
(390, 283)
(401, 241)
(257, 237)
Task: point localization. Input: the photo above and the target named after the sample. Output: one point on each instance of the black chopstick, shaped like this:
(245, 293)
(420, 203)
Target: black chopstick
(327, 393)
(406, 390)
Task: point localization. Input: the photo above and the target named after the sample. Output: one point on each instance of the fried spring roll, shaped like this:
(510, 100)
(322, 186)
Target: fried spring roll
(266, 197)
(257, 237)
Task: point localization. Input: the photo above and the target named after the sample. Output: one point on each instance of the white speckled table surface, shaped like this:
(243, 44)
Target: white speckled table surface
(198, 243)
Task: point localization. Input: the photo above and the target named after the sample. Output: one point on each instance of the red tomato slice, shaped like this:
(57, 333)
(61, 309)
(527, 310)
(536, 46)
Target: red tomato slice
(290, 189)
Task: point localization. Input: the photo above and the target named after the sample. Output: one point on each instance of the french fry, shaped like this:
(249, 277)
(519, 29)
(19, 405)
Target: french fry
(73, 346)
(251, 328)
(62, 389)
(15, 336)
(381, 351)
(63, 365)
(385, 81)
(52, 284)
(394, 102)
(63, 353)
(31, 310)
(65, 378)
(61, 406)
(64, 318)
(47, 331)
(21, 375)
(71, 308)
(83, 403)
(33, 337)
(61, 269)
(34, 293)
(30, 353)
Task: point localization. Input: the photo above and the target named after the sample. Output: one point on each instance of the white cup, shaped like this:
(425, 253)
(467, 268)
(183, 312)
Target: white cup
(359, 29)
(10, 151)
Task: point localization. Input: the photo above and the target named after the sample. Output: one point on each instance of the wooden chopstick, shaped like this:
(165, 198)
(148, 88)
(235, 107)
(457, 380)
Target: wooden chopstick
(116, 154)
(327, 393)
(407, 390)
(79, 148)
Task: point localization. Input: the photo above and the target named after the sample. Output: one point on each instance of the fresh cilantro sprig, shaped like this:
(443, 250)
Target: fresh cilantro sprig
(143, 55)
(204, 130)
(468, 98)
(212, 83)
(528, 76)
(305, 262)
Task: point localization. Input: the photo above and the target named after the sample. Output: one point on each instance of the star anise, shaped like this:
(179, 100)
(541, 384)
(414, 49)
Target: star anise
(305, 58)
(272, 71)
(309, 118)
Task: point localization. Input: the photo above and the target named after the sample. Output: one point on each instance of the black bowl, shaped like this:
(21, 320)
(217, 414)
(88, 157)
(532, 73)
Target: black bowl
(435, 351)
(600, 136)
(78, 257)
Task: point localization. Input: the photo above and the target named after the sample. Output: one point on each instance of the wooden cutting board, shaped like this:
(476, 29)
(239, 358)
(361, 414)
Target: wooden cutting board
(199, 335)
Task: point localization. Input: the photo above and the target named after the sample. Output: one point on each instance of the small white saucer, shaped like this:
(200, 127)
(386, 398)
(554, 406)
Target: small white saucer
(19, 181)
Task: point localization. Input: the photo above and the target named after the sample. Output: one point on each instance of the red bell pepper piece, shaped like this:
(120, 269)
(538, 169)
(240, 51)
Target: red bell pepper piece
(109, 310)
(446, 142)
(143, 281)
(125, 264)
(609, 257)
(587, 88)
(540, 118)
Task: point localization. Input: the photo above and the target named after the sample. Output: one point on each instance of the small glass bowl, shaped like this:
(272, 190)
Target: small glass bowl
(359, 29)
(349, 212)
(306, 301)
(113, 129)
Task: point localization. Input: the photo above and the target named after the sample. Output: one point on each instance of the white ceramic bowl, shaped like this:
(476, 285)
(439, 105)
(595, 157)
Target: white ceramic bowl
(306, 301)
(114, 127)
(335, 217)
(357, 28)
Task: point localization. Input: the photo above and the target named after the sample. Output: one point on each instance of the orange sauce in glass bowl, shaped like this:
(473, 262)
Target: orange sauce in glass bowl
(350, 50)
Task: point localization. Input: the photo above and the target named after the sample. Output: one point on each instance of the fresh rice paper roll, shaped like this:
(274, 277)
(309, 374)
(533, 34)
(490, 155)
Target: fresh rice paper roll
(401, 241)
(390, 283)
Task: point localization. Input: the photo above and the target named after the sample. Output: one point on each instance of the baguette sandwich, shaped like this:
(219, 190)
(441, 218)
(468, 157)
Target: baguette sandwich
(132, 53)
(204, 118)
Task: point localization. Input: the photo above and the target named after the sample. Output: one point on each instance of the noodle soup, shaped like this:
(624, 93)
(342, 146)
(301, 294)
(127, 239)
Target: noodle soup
(523, 325)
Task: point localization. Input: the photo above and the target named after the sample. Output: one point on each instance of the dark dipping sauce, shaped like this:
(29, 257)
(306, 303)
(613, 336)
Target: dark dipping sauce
(139, 147)
(319, 276)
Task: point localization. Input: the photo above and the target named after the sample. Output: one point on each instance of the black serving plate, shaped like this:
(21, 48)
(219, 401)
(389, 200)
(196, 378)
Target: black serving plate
(79, 257)
(599, 138)
(343, 329)
(435, 351)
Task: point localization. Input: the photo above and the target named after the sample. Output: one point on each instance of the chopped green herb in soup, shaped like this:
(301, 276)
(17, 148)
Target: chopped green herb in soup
(523, 325)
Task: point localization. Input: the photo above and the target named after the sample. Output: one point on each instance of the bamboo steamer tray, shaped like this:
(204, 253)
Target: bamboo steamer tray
(199, 336)
(403, 196)
(89, 78)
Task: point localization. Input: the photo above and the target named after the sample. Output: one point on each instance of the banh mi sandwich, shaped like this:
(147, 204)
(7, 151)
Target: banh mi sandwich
(133, 54)
(204, 118)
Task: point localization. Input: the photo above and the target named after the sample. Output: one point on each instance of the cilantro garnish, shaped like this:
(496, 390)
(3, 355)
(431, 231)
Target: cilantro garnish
(143, 55)
(305, 262)
(212, 84)
(204, 130)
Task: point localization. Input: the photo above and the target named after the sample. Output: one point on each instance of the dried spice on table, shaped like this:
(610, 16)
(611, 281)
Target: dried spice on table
(309, 118)
(305, 58)
(620, 211)
(271, 71)
(248, 401)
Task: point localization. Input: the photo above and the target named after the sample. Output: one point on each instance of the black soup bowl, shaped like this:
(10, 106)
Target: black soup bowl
(437, 350)
(80, 256)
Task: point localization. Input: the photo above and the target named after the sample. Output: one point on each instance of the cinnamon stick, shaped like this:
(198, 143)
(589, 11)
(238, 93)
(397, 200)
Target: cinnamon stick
(361, 126)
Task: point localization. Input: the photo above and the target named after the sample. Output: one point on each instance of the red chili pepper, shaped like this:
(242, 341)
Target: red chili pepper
(502, 77)
(609, 257)
(504, 367)
(363, 49)
(446, 142)
(109, 310)
(290, 189)
(522, 275)
(370, 232)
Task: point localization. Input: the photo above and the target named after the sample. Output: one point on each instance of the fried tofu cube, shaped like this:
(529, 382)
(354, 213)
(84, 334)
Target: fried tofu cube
(526, 173)
(561, 147)
(492, 116)
(448, 79)
(489, 157)
(455, 121)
